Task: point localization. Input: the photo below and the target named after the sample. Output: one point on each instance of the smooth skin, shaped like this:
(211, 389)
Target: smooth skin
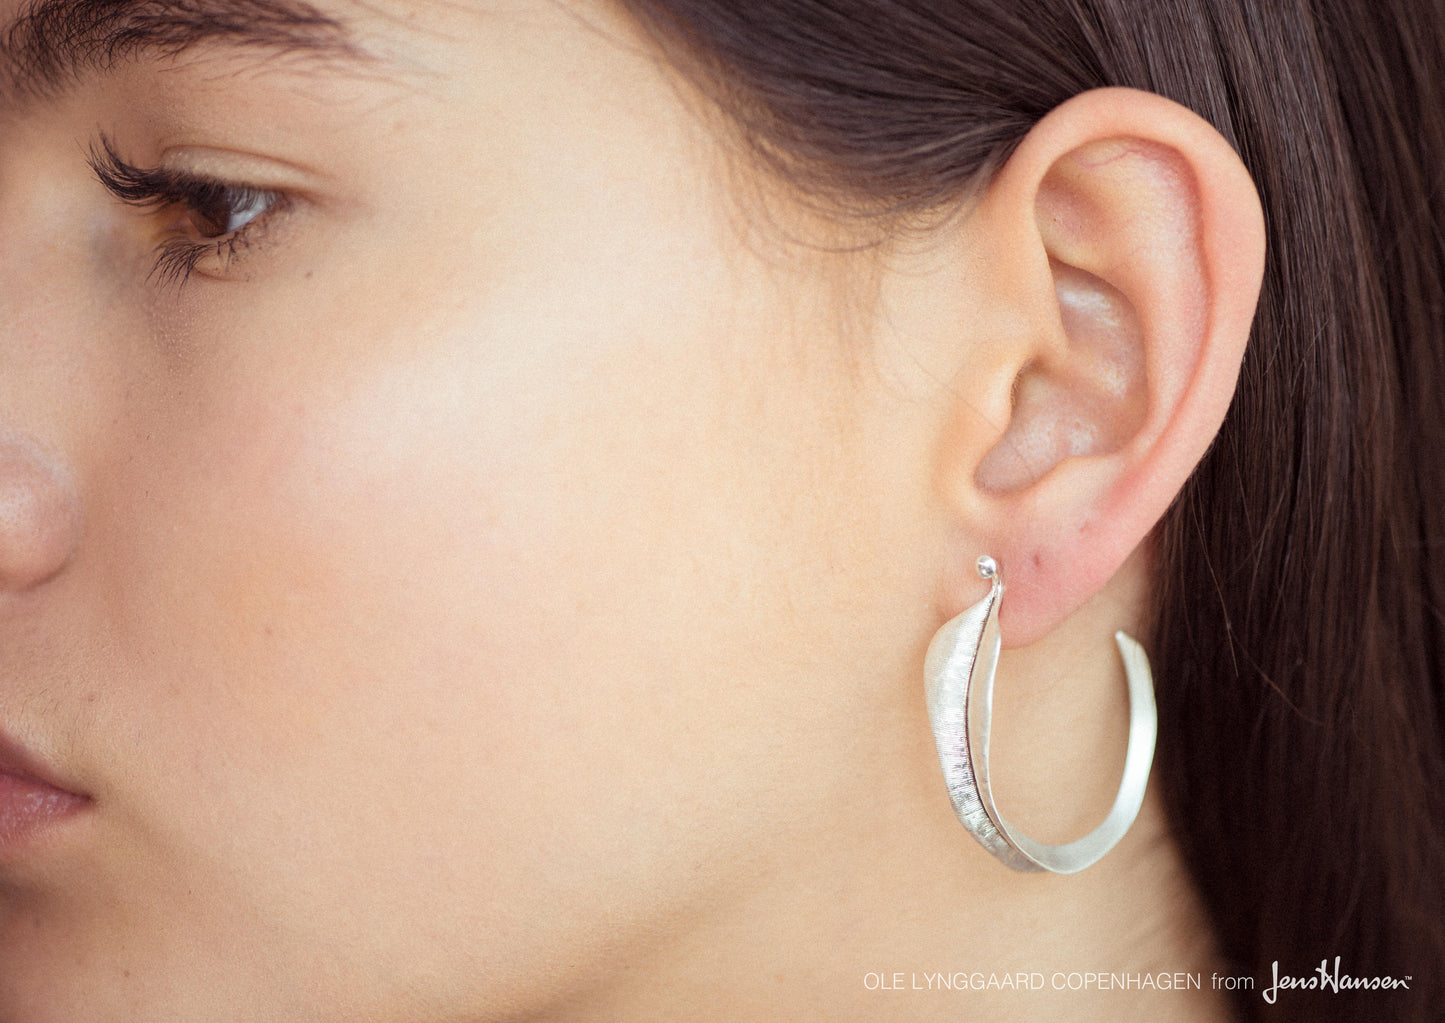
(500, 592)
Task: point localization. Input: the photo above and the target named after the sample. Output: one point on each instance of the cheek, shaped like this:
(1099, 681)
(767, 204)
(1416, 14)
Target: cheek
(400, 550)
(458, 609)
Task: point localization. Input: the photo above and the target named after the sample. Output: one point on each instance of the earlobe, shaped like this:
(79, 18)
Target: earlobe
(1146, 240)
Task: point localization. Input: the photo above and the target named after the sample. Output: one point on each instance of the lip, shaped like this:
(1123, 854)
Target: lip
(31, 800)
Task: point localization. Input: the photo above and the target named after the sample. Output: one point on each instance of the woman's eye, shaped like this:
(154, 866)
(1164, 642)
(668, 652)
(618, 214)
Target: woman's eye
(216, 210)
(204, 222)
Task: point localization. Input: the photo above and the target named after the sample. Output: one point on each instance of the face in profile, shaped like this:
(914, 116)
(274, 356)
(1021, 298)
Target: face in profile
(426, 482)
(471, 527)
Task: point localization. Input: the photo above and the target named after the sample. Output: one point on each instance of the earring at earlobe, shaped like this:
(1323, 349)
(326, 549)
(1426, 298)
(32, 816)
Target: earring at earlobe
(958, 674)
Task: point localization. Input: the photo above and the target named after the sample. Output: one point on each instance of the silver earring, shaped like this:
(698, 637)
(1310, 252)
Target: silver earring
(959, 673)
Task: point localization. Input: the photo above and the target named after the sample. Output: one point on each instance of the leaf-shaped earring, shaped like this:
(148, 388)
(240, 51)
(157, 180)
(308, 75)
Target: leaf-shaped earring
(959, 672)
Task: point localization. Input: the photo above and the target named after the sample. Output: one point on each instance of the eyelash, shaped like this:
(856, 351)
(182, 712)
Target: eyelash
(201, 198)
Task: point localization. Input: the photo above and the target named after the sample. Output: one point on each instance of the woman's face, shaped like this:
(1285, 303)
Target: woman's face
(443, 588)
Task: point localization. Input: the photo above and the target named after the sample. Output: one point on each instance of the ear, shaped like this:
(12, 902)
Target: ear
(1126, 243)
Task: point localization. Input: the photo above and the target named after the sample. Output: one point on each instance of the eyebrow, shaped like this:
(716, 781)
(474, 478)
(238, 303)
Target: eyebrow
(53, 42)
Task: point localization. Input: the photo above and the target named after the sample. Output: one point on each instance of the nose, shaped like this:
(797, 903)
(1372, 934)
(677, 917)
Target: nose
(39, 515)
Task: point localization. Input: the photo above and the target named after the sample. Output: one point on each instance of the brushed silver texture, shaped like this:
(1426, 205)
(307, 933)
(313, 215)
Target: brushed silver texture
(959, 672)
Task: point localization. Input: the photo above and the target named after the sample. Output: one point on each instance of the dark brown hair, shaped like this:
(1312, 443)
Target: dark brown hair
(1299, 643)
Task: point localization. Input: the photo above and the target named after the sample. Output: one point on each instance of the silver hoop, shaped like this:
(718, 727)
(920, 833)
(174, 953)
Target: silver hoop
(958, 673)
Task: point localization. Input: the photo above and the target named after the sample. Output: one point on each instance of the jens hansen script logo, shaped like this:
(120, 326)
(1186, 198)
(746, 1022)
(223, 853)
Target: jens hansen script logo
(1324, 980)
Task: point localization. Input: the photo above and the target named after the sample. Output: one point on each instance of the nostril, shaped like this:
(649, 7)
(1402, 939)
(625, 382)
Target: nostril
(39, 515)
